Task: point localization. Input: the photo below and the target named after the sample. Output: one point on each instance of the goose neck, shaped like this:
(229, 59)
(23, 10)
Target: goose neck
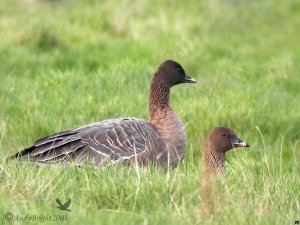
(214, 161)
(159, 99)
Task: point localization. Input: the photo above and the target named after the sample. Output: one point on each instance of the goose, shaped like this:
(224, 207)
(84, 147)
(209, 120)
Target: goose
(220, 140)
(160, 141)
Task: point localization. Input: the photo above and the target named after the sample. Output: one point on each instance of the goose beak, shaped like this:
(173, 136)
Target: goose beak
(240, 143)
(189, 79)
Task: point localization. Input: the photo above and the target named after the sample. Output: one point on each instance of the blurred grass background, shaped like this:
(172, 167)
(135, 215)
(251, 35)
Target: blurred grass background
(68, 63)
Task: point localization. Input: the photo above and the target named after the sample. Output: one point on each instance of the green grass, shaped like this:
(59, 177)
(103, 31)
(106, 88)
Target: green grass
(68, 63)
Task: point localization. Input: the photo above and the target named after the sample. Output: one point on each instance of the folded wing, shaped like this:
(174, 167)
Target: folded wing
(119, 140)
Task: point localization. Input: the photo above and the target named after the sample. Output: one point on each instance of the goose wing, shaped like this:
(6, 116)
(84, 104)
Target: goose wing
(113, 140)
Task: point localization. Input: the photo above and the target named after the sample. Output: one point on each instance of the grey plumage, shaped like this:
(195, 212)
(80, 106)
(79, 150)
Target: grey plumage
(125, 140)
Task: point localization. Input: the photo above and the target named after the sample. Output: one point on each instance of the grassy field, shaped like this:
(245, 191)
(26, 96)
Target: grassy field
(68, 63)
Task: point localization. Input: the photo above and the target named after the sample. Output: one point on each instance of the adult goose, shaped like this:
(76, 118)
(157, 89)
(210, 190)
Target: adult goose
(220, 140)
(161, 141)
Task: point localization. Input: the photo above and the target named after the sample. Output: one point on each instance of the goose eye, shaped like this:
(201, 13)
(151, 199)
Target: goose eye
(179, 69)
(223, 134)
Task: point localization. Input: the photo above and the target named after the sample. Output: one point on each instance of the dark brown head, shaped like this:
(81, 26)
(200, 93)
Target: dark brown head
(222, 139)
(172, 73)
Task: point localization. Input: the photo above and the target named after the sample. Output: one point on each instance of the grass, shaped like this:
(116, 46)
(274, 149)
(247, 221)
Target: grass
(69, 63)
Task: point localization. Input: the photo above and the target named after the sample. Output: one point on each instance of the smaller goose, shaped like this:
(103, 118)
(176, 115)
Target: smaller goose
(220, 140)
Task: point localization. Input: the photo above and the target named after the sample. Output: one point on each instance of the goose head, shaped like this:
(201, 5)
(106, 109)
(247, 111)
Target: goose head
(172, 73)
